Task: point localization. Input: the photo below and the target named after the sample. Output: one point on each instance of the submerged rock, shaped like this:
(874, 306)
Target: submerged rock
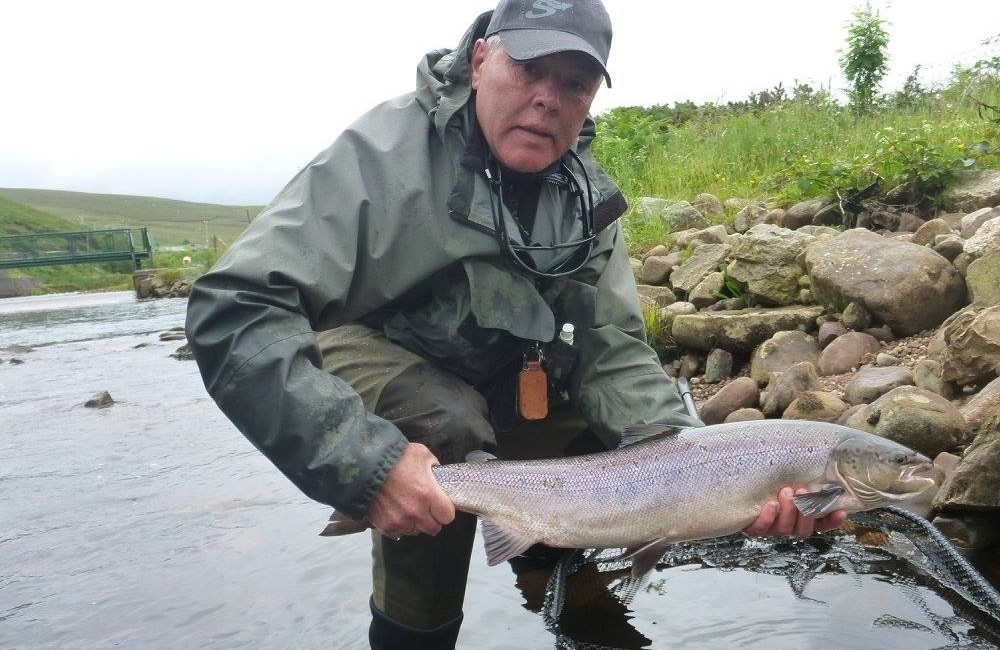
(100, 400)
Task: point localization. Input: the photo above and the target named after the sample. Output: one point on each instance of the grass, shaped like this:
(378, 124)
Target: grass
(170, 222)
(797, 147)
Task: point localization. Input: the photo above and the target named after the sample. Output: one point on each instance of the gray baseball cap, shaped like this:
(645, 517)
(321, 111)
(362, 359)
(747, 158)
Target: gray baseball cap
(530, 29)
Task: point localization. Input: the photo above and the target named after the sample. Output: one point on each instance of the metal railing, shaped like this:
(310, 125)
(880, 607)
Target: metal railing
(82, 247)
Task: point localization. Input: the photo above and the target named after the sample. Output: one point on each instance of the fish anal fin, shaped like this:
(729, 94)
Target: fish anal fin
(502, 543)
(341, 524)
(819, 503)
(645, 557)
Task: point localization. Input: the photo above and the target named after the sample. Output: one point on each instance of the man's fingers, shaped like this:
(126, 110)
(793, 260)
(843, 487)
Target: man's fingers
(787, 513)
(768, 513)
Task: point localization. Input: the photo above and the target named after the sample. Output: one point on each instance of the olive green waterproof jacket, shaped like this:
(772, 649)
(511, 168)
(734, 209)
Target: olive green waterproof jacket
(388, 220)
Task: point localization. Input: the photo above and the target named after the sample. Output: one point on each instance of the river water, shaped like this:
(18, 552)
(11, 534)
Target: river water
(154, 524)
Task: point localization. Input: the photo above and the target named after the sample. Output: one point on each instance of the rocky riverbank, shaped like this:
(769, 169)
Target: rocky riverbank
(876, 318)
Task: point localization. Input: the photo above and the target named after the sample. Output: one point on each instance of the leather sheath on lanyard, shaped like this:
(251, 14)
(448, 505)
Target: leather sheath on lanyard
(532, 392)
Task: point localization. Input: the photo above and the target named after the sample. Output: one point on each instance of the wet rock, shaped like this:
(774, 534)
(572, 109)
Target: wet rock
(656, 269)
(706, 259)
(740, 393)
(781, 352)
(985, 241)
(905, 286)
(783, 388)
(929, 231)
(709, 206)
(183, 353)
(748, 217)
(705, 292)
(766, 259)
(968, 346)
(909, 222)
(913, 417)
(16, 349)
(656, 296)
(173, 335)
(99, 400)
(829, 331)
(14, 361)
(949, 247)
(975, 483)
(983, 280)
(973, 190)
(846, 353)
(671, 311)
(816, 406)
(927, 375)
(802, 213)
(740, 331)
(885, 360)
(718, 366)
(871, 383)
(745, 415)
(856, 317)
(974, 220)
(984, 405)
(968, 531)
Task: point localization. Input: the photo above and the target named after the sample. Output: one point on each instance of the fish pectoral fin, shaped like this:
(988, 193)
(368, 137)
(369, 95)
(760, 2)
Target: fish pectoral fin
(819, 503)
(503, 543)
(645, 557)
(644, 432)
(341, 524)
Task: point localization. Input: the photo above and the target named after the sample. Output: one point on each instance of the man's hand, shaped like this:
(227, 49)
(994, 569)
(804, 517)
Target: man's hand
(410, 500)
(781, 518)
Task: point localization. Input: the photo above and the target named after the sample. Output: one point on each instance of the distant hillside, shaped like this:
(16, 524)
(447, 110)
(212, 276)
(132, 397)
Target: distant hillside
(18, 219)
(170, 222)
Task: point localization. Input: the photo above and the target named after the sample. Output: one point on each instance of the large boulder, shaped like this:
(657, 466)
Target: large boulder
(983, 280)
(985, 404)
(975, 482)
(916, 418)
(974, 190)
(816, 406)
(766, 259)
(971, 222)
(985, 241)
(968, 346)
(908, 287)
(741, 330)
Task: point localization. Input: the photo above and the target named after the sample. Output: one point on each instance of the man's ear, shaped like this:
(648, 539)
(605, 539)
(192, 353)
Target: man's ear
(479, 51)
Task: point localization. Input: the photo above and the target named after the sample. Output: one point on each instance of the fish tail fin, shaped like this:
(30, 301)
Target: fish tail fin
(502, 543)
(819, 503)
(341, 524)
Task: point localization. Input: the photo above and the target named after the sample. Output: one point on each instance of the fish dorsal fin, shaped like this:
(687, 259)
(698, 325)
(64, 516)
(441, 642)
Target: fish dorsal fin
(479, 456)
(819, 503)
(341, 524)
(645, 556)
(502, 543)
(644, 432)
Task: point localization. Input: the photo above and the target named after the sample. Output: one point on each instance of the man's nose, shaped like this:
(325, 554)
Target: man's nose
(547, 94)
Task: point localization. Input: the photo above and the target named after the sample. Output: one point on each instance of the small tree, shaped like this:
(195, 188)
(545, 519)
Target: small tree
(865, 63)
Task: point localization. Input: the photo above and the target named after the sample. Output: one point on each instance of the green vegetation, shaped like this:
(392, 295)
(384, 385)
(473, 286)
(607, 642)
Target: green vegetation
(779, 147)
(866, 61)
(170, 222)
(17, 219)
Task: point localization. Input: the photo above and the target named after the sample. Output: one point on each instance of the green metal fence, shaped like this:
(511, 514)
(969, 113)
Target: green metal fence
(83, 247)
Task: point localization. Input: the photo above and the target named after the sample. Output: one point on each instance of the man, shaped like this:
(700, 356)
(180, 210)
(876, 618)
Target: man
(375, 319)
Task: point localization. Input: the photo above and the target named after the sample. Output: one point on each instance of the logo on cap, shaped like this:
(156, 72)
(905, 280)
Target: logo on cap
(545, 8)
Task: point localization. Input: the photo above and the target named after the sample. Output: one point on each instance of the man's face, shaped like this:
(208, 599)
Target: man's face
(531, 112)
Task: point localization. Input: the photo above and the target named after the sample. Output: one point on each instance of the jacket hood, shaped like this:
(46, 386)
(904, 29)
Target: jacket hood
(444, 76)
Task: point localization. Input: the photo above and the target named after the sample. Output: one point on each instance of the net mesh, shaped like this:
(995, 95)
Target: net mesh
(905, 551)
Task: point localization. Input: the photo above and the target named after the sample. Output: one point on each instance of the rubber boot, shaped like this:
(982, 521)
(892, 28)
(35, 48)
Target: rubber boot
(387, 634)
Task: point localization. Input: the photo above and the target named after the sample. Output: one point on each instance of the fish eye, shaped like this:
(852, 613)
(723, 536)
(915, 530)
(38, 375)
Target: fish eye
(899, 458)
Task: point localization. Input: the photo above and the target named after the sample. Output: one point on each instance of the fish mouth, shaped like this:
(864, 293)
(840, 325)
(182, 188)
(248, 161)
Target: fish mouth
(917, 478)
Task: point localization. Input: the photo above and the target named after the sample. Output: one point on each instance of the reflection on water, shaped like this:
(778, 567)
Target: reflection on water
(154, 523)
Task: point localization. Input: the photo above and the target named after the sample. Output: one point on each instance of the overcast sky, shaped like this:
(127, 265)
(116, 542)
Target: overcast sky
(223, 101)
